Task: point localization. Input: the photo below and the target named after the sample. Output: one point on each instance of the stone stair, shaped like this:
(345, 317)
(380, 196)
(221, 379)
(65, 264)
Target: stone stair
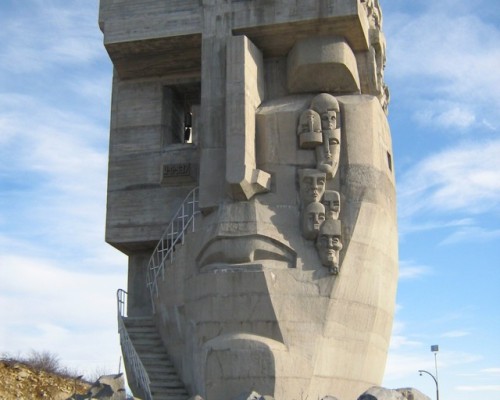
(165, 383)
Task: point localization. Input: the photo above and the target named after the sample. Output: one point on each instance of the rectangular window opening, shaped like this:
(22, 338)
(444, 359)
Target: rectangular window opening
(180, 106)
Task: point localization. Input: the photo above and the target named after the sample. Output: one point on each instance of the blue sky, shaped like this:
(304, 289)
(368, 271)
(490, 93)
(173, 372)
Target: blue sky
(58, 278)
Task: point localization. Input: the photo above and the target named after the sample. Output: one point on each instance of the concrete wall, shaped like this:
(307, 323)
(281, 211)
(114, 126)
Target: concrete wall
(249, 303)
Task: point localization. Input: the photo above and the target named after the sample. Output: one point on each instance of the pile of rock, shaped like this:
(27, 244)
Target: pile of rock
(20, 381)
(374, 393)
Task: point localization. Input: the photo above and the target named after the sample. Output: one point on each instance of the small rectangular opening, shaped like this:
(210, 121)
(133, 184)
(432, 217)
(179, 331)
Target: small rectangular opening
(178, 120)
(389, 161)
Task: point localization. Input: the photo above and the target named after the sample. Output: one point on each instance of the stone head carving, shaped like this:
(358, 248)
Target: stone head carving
(374, 13)
(309, 130)
(331, 200)
(329, 244)
(327, 155)
(312, 185)
(327, 106)
(312, 218)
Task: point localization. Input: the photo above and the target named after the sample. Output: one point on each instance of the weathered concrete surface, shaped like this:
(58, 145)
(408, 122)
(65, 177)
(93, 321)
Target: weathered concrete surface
(250, 303)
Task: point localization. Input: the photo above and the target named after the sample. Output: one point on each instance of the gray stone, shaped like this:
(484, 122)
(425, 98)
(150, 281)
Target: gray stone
(107, 387)
(252, 396)
(380, 393)
(412, 394)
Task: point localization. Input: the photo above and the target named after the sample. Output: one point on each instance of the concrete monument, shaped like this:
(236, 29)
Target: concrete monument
(263, 246)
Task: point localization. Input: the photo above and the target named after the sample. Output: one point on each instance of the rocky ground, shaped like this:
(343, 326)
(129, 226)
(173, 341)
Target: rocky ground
(19, 381)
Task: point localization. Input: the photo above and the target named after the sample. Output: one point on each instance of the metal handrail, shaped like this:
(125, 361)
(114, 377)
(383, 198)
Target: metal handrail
(130, 354)
(173, 235)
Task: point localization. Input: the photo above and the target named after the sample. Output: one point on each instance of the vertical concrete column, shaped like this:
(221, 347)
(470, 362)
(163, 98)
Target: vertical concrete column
(139, 300)
(244, 93)
(216, 30)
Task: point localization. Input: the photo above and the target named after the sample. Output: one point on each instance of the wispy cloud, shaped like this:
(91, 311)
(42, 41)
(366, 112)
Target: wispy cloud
(409, 270)
(464, 178)
(45, 34)
(58, 158)
(423, 226)
(455, 334)
(493, 371)
(57, 276)
(51, 307)
(479, 388)
(456, 54)
(471, 234)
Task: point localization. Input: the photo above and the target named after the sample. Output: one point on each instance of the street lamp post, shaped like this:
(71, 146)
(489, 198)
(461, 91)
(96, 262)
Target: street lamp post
(435, 380)
(434, 349)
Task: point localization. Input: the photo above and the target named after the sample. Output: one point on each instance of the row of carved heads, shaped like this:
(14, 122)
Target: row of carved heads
(377, 51)
(319, 131)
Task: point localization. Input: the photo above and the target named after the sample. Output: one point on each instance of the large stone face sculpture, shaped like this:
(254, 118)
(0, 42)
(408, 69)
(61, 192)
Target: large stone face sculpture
(287, 284)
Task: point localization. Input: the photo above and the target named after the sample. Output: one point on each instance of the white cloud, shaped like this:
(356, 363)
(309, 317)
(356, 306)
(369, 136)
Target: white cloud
(423, 226)
(46, 306)
(446, 53)
(43, 34)
(479, 388)
(465, 178)
(60, 159)
(408, 270)
(455, 334)
(445, 113)
(493, 371)
(398, 341)
(47, 291)
(471, 234)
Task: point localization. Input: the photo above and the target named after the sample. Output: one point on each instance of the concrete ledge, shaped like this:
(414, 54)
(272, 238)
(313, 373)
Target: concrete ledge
(322, 64)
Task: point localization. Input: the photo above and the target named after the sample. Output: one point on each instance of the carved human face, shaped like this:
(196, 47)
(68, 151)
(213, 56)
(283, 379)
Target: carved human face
(312, 185)
(328, 159)
(309, 122)
(331, 200)
(329, 243)
(312, 218)
(329, 119)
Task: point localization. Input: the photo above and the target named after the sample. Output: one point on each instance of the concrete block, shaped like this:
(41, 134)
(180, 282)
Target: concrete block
(322, 64)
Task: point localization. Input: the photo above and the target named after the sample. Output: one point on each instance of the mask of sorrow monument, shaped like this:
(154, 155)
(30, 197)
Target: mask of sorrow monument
(251, 186)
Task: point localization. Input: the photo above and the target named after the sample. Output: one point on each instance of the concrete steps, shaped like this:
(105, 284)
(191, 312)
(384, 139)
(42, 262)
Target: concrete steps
(165, 383)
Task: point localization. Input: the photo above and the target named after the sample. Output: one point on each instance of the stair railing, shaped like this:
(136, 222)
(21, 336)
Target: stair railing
(173, 235)
(129, 352)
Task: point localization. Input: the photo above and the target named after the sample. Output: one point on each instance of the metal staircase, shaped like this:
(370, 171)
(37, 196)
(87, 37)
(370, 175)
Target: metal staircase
(164, 381)
(146, 357)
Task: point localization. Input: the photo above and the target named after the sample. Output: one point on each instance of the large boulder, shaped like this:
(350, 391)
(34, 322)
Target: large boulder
(380, 393)
(107, 387)
(413, 394)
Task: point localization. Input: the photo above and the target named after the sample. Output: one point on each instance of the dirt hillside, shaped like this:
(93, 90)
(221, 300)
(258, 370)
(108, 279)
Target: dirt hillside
(21, 382)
